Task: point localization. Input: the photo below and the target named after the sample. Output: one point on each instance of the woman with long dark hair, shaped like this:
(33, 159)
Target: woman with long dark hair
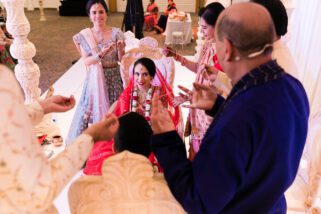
(198, 120)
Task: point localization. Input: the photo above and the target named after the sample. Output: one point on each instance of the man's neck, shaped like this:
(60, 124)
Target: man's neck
(244, 66)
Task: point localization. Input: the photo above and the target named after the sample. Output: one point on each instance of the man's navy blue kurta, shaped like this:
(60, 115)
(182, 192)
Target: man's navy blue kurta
(250, 153)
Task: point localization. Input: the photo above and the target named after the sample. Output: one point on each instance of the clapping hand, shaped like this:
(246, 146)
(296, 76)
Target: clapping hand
(106, 49)
(209, 72)
(169, 52)
(57, 103)
(203, 97)
(105, 129)
(160, 118)
(182, 98)
(121, 44)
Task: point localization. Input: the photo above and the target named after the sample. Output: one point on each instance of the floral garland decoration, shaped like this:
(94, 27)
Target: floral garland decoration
(148, 102)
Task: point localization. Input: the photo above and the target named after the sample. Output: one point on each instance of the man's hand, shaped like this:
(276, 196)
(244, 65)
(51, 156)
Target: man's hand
(203, 97)
(57, 103)
(103, 130)
(160, 118)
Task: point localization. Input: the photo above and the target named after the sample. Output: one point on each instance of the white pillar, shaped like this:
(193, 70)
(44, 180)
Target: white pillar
(26, 71)
(42, 11)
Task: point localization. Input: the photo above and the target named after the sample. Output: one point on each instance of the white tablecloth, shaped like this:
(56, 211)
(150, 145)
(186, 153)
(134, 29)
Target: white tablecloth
(181, 26)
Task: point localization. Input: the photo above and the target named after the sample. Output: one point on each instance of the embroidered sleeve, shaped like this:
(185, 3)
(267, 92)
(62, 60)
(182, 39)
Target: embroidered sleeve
(35, 112)
(82, 44)
(30, 182)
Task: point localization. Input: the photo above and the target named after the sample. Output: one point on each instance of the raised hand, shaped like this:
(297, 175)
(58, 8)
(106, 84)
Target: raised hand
(57, 103)
(183, 97)
(105, 129)
(209, 72)
(179, 100)
(106, 49)
(160, 118)
(169, 52)
(121, 44)
(203, 97)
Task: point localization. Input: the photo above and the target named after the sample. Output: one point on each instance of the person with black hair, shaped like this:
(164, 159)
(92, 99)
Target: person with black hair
(102, 48)
(133, 134)
(134, 17)
(145, 83)
(198, 121)
(281, 53)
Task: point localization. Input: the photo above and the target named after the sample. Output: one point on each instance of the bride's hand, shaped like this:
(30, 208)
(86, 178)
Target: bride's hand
(182, 98)
(160, 118)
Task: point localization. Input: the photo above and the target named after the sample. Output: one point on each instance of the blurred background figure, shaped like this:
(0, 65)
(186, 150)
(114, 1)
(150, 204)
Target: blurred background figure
(134, 17)
(150, 18)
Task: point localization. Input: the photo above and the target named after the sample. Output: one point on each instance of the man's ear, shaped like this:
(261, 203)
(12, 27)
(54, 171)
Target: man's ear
(228, 52)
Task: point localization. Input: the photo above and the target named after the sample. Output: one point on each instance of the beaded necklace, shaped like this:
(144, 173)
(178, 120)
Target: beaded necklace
(148, 102)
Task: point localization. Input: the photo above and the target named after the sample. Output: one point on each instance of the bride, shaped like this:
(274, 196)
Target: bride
(144, 84)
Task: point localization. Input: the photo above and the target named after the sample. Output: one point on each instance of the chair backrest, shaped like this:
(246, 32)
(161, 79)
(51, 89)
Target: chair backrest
(147, 47)
(128, 185)
(130, 40)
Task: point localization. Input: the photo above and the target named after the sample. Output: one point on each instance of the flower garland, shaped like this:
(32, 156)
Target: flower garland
(148, 102)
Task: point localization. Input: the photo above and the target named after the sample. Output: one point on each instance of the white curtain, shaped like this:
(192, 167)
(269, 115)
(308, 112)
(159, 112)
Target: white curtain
(305, 45)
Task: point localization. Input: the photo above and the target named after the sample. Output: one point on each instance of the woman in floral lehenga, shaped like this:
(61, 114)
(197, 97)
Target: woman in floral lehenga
(101, 47)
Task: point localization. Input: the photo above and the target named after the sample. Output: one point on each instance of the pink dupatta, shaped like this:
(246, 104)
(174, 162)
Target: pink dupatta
(200, 121)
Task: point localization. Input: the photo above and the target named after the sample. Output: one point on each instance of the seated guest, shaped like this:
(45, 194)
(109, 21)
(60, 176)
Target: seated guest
(29, 182)
(162, 22)
(150, 18)
(146, 82)
(281, 53)
(133, 134)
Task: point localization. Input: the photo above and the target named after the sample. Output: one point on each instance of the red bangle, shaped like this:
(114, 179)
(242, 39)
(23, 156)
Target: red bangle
(183, 61)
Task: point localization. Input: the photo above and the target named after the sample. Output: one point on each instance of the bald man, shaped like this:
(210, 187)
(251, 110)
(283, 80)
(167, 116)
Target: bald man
(251, 152)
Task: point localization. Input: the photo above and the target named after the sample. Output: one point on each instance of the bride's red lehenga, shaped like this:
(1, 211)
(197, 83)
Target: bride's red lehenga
(104, 149)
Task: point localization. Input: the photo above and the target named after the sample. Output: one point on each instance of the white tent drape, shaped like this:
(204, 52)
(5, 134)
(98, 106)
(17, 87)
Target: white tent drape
(305, 45)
